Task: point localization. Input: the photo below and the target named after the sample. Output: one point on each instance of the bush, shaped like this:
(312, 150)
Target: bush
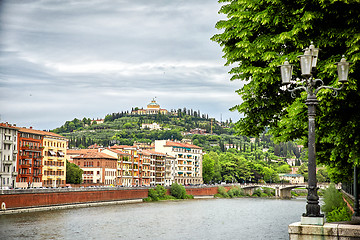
(257, 193)
(332, 199)
(334, 207)
(161, 191)
(178, 191)
(222, 192)
(236, 192)
(269, 192)
(153, 195)
(339, 214)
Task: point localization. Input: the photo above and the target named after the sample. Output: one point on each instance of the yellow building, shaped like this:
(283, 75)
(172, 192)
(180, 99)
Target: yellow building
(152, 108)
(54, 161)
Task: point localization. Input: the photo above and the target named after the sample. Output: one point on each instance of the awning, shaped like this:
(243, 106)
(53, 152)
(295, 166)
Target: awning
(61, 154)
(52, 153)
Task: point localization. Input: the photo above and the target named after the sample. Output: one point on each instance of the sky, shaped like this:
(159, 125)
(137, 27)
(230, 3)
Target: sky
(66, 59)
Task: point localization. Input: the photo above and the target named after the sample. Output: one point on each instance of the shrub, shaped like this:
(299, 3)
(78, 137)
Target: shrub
(339, 214)
(332, 199)
(236, 192)
(257, 193)
(153, 195)
(222, 192)
(269, 192)
(178, 191)
(161, 191)
(334, 206)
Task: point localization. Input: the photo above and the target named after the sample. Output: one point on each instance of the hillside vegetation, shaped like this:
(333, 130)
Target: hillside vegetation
(228, 158)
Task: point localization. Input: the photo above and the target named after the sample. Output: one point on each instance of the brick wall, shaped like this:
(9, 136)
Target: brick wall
(59, 197)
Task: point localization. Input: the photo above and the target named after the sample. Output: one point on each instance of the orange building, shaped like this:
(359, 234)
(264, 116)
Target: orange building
(98, 167)
(30, 157)
(41, 158)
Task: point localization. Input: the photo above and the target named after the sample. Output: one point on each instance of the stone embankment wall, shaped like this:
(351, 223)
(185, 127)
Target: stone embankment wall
(50, 197)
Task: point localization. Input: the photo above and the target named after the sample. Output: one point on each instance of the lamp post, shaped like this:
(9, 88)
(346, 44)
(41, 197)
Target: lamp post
(312, 86)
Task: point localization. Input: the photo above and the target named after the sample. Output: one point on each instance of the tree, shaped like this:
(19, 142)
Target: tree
(178, 191)
(285, 168)
(259, 35)
(73, 173)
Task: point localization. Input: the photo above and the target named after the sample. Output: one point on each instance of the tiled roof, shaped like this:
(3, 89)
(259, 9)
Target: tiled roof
(119, 152)
(39, 132)
(79, 151)
(183, 145)
(150, 152)
(95, 155)
(121, 146)
(7, 125)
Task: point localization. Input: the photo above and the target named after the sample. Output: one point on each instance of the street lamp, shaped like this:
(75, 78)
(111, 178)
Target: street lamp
(308, 83)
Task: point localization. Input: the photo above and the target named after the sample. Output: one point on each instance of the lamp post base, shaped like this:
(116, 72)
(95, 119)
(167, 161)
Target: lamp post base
(312, 221)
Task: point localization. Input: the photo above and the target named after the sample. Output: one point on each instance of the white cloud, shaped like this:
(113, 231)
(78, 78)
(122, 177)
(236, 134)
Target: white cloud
(62, 59)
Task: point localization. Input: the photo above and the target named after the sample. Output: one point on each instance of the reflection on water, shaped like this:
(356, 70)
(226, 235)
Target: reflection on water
(242, 218)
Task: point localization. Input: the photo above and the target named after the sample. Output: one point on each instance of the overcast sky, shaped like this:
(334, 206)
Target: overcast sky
(66, 59)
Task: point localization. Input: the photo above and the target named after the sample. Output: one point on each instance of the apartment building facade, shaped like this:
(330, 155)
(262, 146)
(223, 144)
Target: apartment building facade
(30, 156)
(8, 156)
(54, 160)
(98, 167)
(188, 160)
(122, 166)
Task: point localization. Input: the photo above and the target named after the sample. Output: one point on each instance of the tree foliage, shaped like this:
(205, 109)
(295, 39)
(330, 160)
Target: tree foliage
(73, 173)
(334, 207)
(257, 37)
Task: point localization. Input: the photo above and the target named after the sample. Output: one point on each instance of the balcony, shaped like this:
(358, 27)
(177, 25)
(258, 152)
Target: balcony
(8, 142)
(25, 165)
(8, 162)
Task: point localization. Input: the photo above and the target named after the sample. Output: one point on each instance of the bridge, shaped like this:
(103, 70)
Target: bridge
(282, 190)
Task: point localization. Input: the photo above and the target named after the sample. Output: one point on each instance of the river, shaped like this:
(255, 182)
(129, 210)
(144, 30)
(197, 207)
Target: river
(239, 218)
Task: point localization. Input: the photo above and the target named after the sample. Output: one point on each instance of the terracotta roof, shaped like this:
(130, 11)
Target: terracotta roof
(7, 125)
(150, 152)
(184, 145)
(119, 152)
(121, 146)
(39, 132)
(79, 151)
(95, 155)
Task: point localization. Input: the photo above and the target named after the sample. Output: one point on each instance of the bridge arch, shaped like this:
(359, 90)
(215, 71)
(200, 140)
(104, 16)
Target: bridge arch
(281, 190)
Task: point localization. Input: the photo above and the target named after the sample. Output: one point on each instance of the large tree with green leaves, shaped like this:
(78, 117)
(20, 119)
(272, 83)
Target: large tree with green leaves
(73, 173)
(258, 35)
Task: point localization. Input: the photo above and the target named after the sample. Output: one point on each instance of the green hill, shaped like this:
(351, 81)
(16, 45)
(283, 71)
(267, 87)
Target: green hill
(125, 128)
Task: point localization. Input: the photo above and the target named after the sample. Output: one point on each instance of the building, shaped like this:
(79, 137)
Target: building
(71, 153)
(8, 156)
(41, 159)
(152, 108)
(130, 165)
(169, 170)
(98, 167)
(54, 161)
(30, 158)
(188, 163)
(157, 167)
(122, 172)
(150, 126)
(292, 178)
(147, 168)
(98, 121)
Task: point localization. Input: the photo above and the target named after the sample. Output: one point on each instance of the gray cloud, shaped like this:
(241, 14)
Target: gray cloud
(69, 58)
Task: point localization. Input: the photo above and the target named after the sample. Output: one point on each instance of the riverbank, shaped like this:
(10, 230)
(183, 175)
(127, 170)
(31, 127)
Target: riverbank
(42, 199)
(80, 205)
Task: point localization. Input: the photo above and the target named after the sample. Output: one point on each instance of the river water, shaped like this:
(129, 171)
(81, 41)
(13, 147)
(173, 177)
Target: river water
(240, 218)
